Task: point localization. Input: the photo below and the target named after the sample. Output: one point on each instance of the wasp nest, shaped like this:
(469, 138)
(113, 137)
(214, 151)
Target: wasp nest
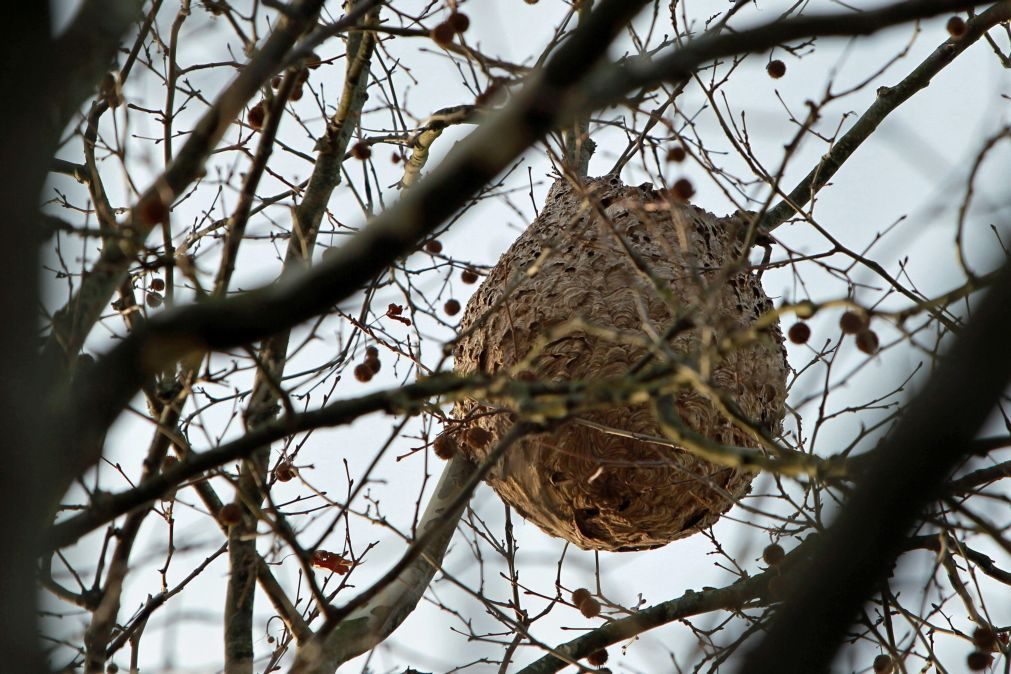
(596, 480)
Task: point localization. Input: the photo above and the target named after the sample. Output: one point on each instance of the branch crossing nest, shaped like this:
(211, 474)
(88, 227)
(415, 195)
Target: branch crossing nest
(596, 480)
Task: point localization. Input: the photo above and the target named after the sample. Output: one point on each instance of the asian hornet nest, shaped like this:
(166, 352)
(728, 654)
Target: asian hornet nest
(587, 480)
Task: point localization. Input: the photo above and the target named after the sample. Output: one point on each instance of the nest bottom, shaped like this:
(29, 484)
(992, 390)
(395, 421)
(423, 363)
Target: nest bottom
(605, 491)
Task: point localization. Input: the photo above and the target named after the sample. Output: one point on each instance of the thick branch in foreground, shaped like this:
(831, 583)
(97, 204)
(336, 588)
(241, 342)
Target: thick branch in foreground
(24, 450)
(907, 474)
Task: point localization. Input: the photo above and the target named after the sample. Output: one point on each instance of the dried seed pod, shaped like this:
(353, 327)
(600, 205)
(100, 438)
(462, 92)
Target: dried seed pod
(978, 661)
(459, 22)
(361, 150)
(597, 658)
(773, 554)
(799, 332)
(468, 276)
(676, 154)
(852, 322)
(579, 595)
(683, 189)
(152, 210)
(256, 115)
(442, 34)
(230, 514)
(867, 341)
(452, 307)
(158, 284)
(596, 489)
(956, 26)
(590, 608)
(363, 372)
(883, 664)
(984, 639)
(284, 471)
(776, 69)
(433, 246)
(444, 447)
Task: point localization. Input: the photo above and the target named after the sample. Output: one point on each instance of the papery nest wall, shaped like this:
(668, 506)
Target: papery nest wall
(581, 482)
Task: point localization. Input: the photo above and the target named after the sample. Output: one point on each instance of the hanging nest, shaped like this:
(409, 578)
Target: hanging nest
(588, 481)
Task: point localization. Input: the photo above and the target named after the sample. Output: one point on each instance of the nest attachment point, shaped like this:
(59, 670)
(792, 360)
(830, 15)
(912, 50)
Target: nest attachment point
(596, 480)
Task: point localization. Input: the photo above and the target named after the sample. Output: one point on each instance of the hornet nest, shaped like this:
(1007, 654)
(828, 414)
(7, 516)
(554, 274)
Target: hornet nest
(595, 479)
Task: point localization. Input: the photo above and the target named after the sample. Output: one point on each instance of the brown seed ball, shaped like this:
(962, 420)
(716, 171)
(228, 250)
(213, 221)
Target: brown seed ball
(256, 115)
(275, 82)
(374, 364)
(452, 307)
(363, 372)
(361, 150)
(883, 664)
(978, 661)
(284, 471)
(230, 514)
(459, 22)
(477, 437)
(683, 189)
(371, 352)
(984, 639)
(852, 322)
(776, 69)
(297, 93)
(442, 34)
(867, 341)
(597, 658)
(433, 246)
(590, 608)
(580, 595)
(313, 61)
(154, 300)
(676, 154)
(395, 158)
(531, 2)
(956, 26)
(444, 447)
(468, 276)
(773, 554)
(152, 210)
(112, 668)
(158, 284)
(799, 332)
